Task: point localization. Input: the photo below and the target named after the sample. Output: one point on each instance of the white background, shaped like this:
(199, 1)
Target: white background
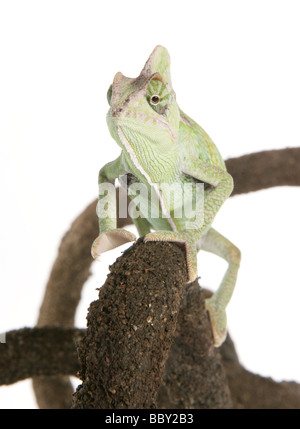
(235, 69)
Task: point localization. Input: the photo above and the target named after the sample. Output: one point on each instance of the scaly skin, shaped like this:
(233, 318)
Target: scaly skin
(162, 147)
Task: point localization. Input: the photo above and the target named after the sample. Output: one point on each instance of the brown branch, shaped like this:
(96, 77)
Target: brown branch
(51, 351)
(262, 170)
(194, 377)
(131, 328)
(71, 268)
(189, 370)
(251, 391)
(62, 295)
(70, 271)
(30, 352)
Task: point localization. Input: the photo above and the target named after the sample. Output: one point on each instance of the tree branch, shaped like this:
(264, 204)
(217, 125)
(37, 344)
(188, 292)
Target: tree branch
(71, 268)
(189, 367)
(70, 271)
(131, 328)
(266, 169)
(194, 377)
(30, 352)
(51, 351)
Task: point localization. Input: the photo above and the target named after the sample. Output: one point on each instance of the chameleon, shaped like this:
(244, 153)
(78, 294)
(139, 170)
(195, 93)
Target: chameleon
(160, 146)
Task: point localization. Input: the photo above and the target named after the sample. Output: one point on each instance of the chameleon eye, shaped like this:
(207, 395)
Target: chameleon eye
(154, 99)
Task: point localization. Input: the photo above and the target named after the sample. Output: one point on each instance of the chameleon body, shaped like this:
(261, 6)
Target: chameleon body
(162, 146)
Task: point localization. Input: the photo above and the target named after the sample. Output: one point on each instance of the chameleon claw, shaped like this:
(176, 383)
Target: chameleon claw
(218, 321)
(109, 240)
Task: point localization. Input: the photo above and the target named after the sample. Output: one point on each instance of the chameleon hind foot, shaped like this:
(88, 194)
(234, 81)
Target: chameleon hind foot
(182, 241)
(109, 240)
(218, 321)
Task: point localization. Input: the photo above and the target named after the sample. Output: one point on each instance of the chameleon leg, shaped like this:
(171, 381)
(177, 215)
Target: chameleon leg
(221, 183)
(142, 225)
(109, 236)
(215, 243)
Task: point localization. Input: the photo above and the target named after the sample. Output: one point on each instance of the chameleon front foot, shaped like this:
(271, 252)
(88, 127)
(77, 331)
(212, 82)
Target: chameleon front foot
(190, 249)
(218, 321)
(109, 240)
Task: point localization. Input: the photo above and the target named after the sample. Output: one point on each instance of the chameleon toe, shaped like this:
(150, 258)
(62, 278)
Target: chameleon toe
(218, 322)
(109, 240)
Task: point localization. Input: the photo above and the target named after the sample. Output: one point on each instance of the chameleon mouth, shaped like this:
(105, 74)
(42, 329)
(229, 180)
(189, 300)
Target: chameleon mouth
(126, 119)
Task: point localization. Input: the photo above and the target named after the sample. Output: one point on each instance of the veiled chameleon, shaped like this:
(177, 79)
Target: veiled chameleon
(162, 146)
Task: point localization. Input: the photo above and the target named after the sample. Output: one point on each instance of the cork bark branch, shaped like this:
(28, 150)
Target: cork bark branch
(51, 351)
(131, 328)
(47, 351)
(71, 269)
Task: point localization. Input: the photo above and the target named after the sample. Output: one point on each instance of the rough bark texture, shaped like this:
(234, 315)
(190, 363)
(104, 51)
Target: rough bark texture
(31, 352)
(23, 356)
(131, 328)
(194, 376)
(251, 391)
(250, 172)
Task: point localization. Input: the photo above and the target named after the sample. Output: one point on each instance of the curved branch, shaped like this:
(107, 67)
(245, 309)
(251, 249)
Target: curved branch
(71, 269)
(51, 351)
(62, 295)
(131, 329)
(188, 368)
(30, 352)
(251, 391)
(194, 376)
(266, 169)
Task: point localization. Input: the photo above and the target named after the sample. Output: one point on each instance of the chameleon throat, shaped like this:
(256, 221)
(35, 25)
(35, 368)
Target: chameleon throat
(136, 163)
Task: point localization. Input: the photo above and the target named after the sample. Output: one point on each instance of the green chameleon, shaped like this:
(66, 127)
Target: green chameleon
(162, 146)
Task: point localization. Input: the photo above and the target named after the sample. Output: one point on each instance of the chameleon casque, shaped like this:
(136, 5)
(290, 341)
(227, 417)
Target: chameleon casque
(162, 146)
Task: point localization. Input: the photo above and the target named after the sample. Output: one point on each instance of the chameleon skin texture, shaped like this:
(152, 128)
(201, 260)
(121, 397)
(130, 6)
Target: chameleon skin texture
(175, 169)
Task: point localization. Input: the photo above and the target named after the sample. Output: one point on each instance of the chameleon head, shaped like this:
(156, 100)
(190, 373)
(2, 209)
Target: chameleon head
(144, 117)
